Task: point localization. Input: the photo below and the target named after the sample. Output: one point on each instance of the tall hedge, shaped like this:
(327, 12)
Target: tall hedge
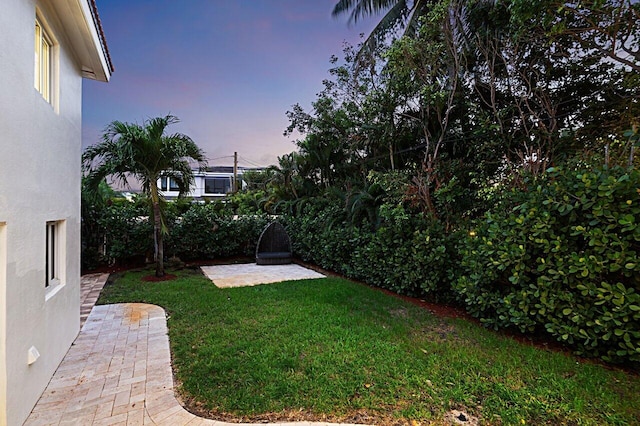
(206, 232)
(559, 256)
(564, 261)
(127, 231)
(406, 254)
(197, 231)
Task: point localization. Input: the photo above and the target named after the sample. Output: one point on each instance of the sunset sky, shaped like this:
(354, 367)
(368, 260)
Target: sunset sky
(229, 69)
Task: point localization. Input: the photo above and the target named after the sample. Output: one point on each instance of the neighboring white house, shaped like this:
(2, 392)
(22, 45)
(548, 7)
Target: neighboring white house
(46, 48)
(214, 182)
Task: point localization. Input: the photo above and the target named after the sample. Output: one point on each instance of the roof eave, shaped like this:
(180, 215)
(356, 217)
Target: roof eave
(84, 29)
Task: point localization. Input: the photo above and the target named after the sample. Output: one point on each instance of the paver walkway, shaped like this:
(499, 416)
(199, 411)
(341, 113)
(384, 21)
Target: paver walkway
(118, 372)
(90, 287)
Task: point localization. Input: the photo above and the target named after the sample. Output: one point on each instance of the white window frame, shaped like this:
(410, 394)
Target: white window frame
(168, 184)
(172, 185)
(3, 256)
(227, 186)
(55, 256)
(43, 61)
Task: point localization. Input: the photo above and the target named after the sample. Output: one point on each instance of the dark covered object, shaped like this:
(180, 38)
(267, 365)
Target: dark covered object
(274, 246)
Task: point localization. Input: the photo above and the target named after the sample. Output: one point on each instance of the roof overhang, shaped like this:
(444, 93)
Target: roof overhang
(84, 30)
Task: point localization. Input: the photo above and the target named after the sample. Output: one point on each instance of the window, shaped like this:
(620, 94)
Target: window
(173, 185)
(55, 255)
(170, 183)
(217, 185)
(43, 50)
(51, 265)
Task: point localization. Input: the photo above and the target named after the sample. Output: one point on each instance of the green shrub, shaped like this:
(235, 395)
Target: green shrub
(564, 261)
(558, 256)
(127, 230)
(247, 202)
(406, 254)
(206, 232)
(196, 231)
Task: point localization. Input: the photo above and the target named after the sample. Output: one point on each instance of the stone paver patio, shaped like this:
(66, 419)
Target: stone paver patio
(118, 371)
(249, 274)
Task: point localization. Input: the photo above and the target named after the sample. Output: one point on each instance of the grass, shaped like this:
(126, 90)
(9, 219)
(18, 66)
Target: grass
(333, 350)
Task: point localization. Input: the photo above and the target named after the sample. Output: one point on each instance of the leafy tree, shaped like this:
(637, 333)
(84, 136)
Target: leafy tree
(351, 127)
(425, 71)
(481, 92)
(325, 147)
(257, 179)
(93, 204)
(607, 28)
(547, 94)
(144, 152)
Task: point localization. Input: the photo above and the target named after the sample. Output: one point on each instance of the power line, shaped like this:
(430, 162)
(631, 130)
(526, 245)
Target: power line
(251, 162)
(219, 158)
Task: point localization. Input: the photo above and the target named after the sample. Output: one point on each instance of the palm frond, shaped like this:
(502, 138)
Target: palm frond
(342, 7)
(420, 9)
(181, 172)
(155, 127)
(402, 16)
(392, 20)
(361, 8)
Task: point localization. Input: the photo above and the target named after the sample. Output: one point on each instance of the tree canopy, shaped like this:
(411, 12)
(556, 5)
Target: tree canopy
(477, 93)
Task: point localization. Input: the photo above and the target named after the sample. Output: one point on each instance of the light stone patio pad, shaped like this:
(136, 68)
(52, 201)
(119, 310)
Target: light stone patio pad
(249, 274)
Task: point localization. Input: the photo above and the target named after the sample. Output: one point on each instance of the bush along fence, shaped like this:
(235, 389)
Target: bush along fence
(564, 260)
(407, 255)
(559, 256)
(204, 233)
(198, 231)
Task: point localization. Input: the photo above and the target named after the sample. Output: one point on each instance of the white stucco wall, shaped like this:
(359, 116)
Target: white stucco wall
(40, 148)
(3, 285)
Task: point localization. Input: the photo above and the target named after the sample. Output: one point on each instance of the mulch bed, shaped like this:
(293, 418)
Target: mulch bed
(154, 279)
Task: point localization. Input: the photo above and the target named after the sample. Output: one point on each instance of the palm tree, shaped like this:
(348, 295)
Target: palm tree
(400, 14)
(145, 153)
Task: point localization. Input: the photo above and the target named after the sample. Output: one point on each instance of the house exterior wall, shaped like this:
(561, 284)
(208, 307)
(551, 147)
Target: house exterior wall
(40, 149)
(197, 190)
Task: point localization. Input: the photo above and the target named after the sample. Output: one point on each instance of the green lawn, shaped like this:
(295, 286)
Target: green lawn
(334, 350)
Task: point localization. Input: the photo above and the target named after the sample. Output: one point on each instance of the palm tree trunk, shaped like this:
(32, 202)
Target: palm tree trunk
(157, 230)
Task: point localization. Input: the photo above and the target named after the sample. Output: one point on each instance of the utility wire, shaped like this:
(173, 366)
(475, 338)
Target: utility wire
(219, 158)
(251, 162)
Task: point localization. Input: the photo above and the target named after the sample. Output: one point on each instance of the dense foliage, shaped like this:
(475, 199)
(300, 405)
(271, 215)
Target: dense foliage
(404, 254)
(515, 125)
(565, 259)
(205, 231)
(197, 232)
(127, 231)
